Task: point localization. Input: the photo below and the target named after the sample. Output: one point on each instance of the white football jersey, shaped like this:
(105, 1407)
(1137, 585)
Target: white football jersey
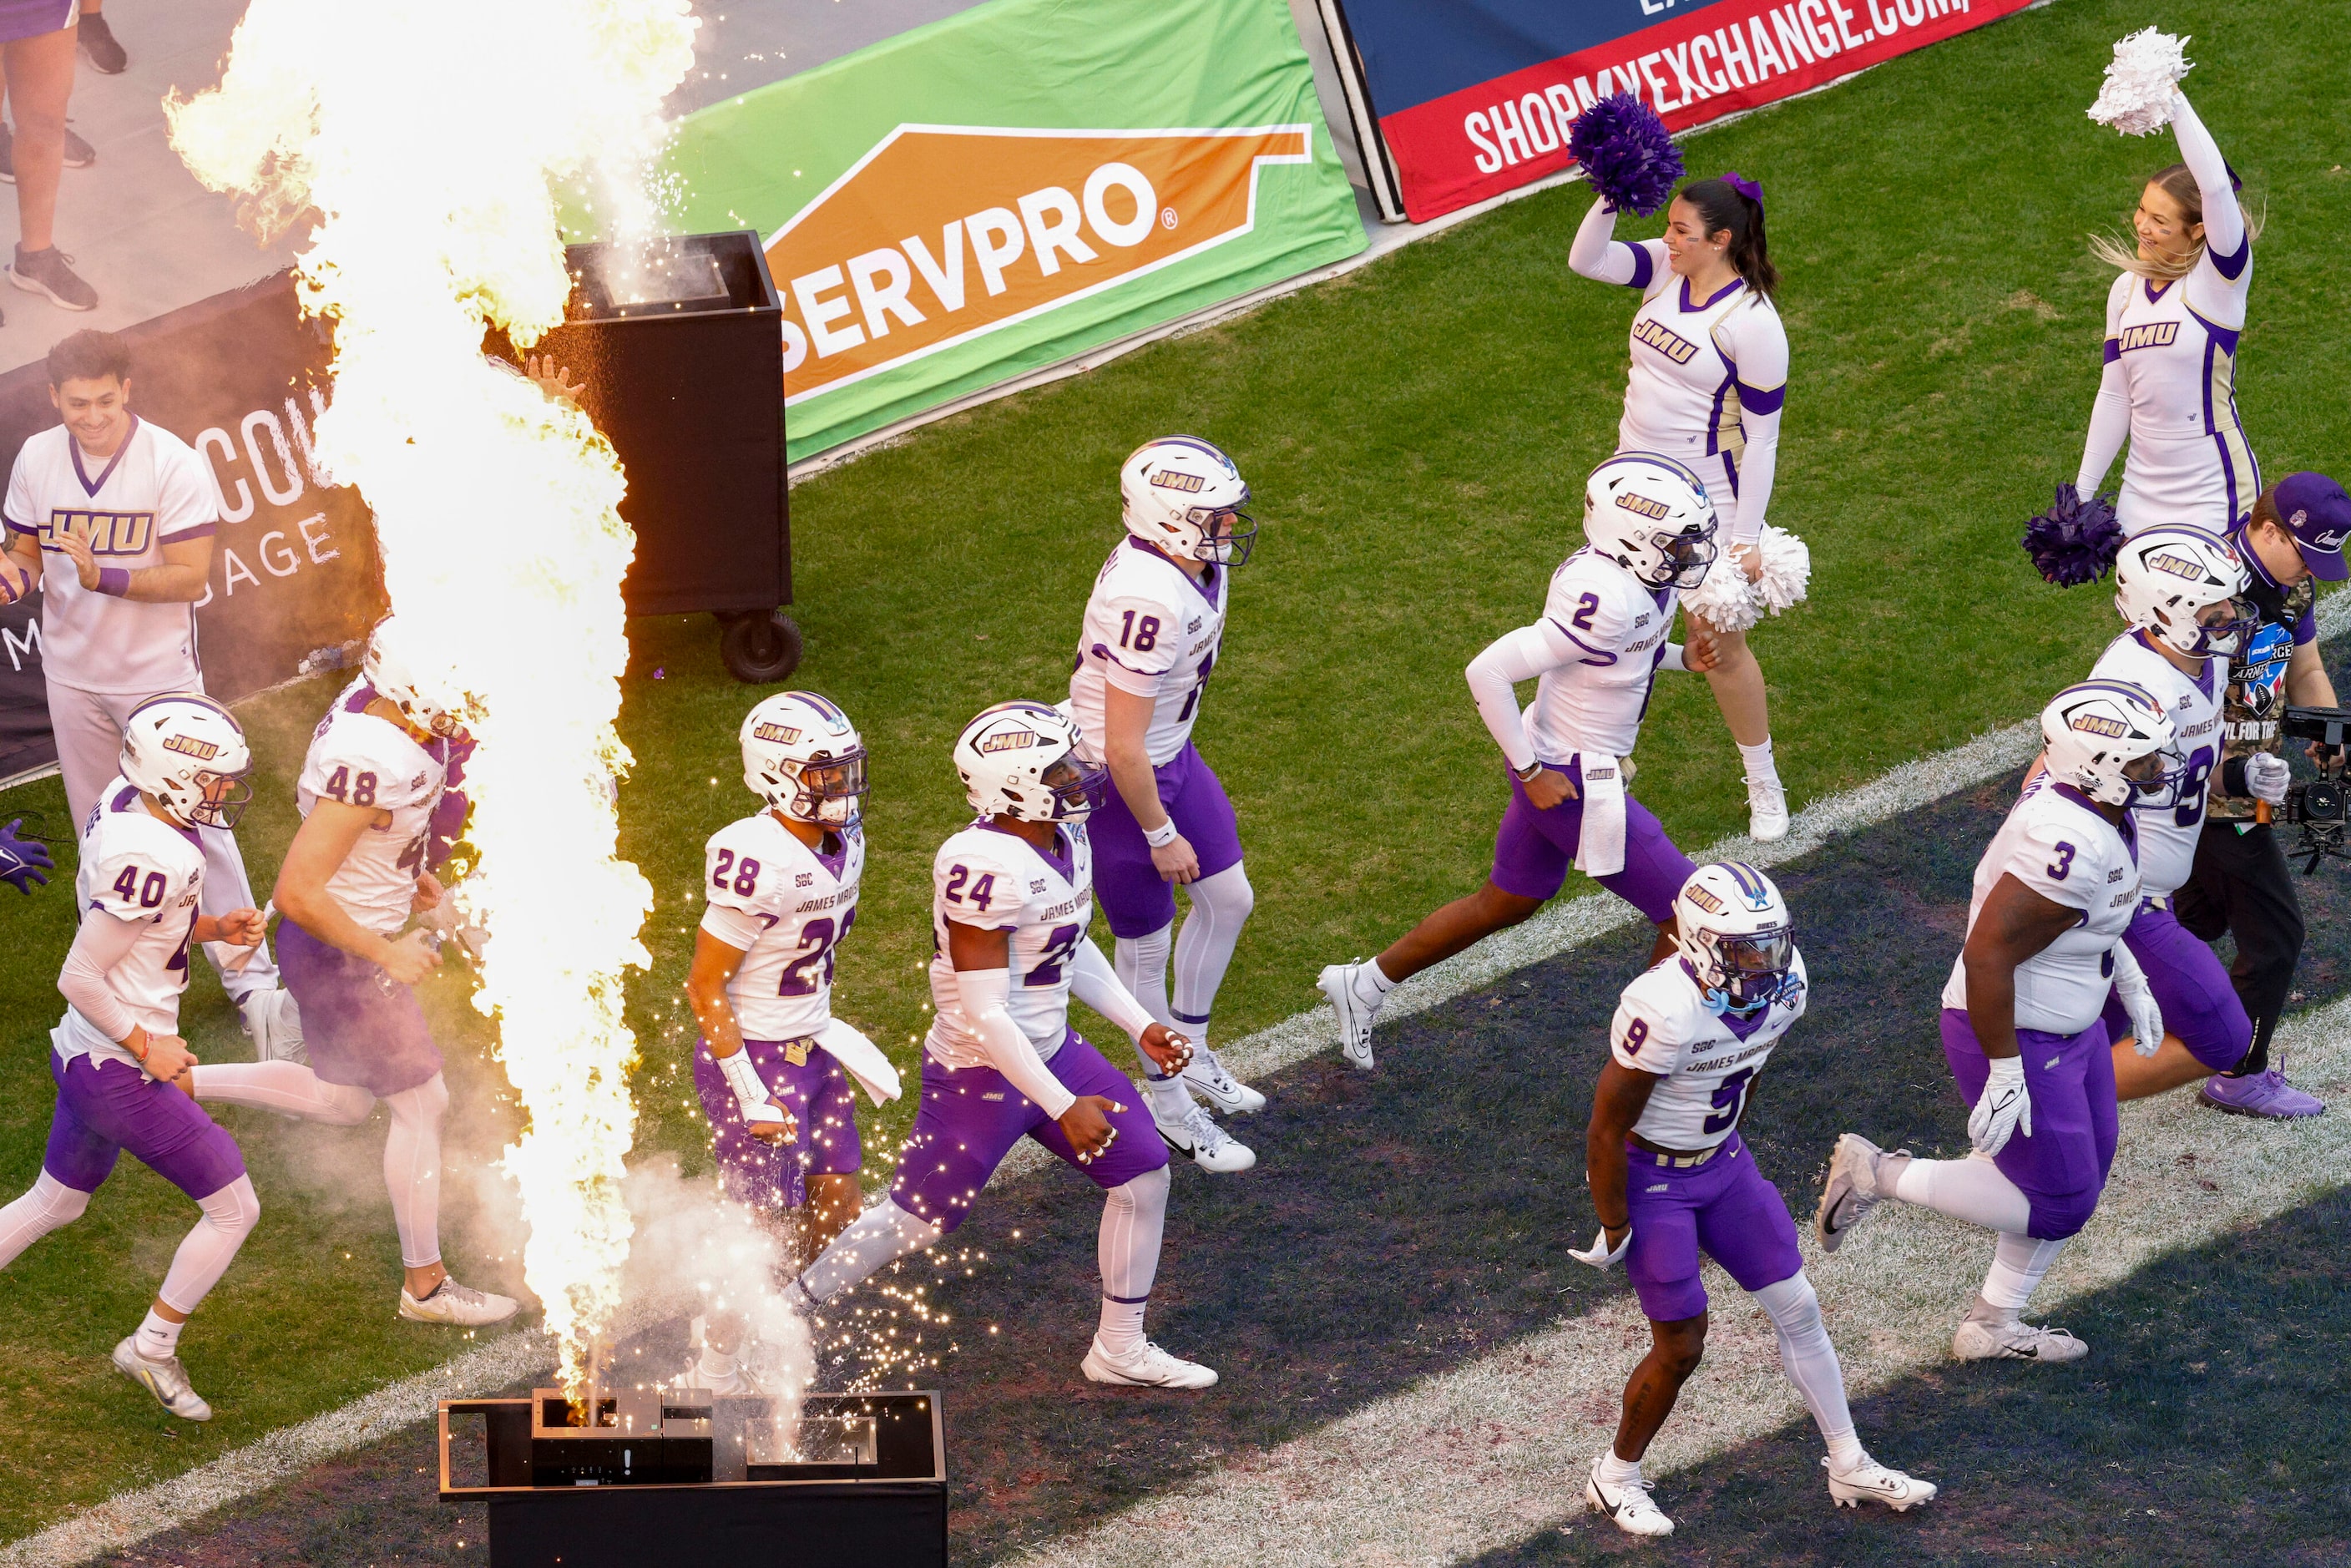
(2166, 838)
(2177, 346)
(137, 866)
(788, 907)
(997, 881)
(1708, 1061)
(154, 491)
(2059, 844)
(1597, 703)
(1691, 358)
(1152, 632)
(360, 759)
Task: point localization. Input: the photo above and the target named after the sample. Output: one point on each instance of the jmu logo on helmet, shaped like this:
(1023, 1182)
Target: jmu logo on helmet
(1168, 479)
(2176, 565)
(2099, 724)
(775, 734)
(1657, 511)
(1704, 900)
(189, 745)
(1007, 740)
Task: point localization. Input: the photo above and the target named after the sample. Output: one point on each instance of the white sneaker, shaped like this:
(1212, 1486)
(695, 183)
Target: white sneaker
(1225, 1091)
(1629, 1507)
(1767, 810)
(1150, 1367)
(167, 1380)
(1852, 1189)
(1978, 1341)
(1355, 1016)
(460, 1304)
(1197, 1138)
(274, 1023)
(1870, 1481)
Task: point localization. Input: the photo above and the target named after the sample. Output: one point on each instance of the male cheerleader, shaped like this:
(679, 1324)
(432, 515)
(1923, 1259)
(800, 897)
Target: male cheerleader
(1153, 627)
(1650, 537)
(2023, 1029)
(355, 872)
(1012, 897)
(121, 1067)
(1689, 1040)
(773, 1065)
(112, 517)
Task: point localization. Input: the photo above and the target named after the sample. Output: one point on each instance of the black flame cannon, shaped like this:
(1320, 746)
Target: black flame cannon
(670, 1475)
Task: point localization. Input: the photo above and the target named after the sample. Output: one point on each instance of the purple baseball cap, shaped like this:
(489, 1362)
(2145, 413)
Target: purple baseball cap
(2318, 514)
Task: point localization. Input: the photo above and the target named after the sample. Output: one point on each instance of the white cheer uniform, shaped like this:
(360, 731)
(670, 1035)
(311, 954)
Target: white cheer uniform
(358, 758)
(1153, 631)
(2167, 839)
(2170, 377)
(997, 881)
(788, 907)
(1708, 1061)
(136, 867)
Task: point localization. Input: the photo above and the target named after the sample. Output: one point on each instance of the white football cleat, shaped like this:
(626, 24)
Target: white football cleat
(1870, 1481)
(1197, 1138)
(274, 1023)
(167, 1380)
(1225, 1091)
(1851, 1190)
(1355, 1016)
(462, 1305)
(1150, 1367)
(1629, 1507)
(2014, 1342)
(1767, 810)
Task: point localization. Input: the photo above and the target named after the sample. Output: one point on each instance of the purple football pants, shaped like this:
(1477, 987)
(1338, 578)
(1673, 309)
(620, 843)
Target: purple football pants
(107, 1106)
(2061, 1168)
(971, 1116)
(363, 1027)
(817, 1094)
(1134, 898)
(1724, 1208)
(2199, 1003)
(1535, 850)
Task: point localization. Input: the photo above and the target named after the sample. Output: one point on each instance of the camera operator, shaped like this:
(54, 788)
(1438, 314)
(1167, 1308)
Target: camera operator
(2241, 884)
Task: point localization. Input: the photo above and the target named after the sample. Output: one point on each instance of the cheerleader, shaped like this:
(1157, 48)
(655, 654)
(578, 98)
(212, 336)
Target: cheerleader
(2173, 319)
(1709, 371)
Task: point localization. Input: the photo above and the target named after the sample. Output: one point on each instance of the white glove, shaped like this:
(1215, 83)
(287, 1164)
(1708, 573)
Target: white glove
(2138, 1001)
(2266, 777)
(1600, 1257)
(750, 1089)
(2002, 1108)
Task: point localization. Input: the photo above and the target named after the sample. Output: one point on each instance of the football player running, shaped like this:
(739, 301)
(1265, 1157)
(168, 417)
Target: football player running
(773, 1065)
(2022, 1025)
(1649, 534)
(1012, 897)
(1671, 1178)
(121, 1068)
(1153, 627)
(355, 872)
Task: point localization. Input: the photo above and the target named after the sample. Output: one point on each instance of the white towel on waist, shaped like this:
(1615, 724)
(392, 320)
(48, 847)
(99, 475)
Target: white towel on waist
(861, 1059)
(1600, 847)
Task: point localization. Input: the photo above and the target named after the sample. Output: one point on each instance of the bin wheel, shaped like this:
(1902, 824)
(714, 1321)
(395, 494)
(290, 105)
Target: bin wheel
(760, 650)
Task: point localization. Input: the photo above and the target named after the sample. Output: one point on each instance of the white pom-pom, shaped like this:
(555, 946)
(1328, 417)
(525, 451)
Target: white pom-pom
(2136, 97)
(1726, 600)
(1787, 570)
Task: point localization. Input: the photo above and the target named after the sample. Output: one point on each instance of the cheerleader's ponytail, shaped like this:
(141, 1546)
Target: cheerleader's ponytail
(1735, 202)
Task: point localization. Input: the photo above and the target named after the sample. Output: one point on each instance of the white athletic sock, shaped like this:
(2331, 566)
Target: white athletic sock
(1761, 768)
(158, 1338)
(283, 1086)
(1170, 1100)
(2018, 1263)
(1142, 966)
(1616, 1472)
(205, 1256)
(1204, 948)
(1120, 1333)
(50, 1204)
(875, 1238)
(1372, 983)
(1811, 1362)
(1972, 1189)
(412, 1169)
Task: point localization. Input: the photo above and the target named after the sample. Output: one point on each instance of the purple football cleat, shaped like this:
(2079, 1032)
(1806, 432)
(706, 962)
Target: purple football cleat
(2265, 1094)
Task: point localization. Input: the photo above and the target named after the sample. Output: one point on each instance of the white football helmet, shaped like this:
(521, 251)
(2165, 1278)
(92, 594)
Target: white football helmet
(1020, 759)
(1185, 496)
(1650, 515)
(424, 690)
(2097, 735)
(802, 756)
(2167, 576)
(1735, 933)
(190, 754)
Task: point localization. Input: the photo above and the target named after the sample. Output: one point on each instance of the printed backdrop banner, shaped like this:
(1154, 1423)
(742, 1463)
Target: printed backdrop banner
(1014, 184)
(238, 376)
(1474, 97)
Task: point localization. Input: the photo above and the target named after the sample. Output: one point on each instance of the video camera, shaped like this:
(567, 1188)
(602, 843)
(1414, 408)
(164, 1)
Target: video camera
(2322, 804)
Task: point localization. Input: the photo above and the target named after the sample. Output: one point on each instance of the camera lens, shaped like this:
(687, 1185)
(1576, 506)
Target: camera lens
(2322, 802)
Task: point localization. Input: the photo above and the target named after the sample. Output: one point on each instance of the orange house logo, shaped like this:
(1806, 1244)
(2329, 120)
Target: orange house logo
(943, 233)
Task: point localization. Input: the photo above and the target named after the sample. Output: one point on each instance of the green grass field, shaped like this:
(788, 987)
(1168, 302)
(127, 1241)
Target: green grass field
(1417, 434)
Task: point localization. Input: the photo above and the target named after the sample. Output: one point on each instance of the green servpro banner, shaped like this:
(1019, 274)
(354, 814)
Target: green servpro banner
(1015, 184)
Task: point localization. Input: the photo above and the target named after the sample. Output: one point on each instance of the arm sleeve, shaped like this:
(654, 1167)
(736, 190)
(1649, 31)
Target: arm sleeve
(985, 993)
(2109, 424)
(103, 941)
(1094, 982)
(1758, 351)
(1515, 657)
(2224, 221)
(1598, 256)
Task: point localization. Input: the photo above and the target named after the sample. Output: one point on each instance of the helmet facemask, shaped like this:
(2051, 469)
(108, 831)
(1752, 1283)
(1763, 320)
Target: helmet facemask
(828, 791)
(224, 809)
(1748, 971)
(1686, 556)
(2157, 780)
(1075, 786)
(1227, 534)
(2210, 638)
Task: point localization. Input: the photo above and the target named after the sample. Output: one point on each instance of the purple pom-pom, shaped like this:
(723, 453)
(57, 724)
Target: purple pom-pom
(1625, 153)
(2076, 540)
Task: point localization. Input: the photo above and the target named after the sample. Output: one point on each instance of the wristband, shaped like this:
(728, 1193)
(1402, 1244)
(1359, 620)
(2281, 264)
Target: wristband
(1160, 837)
(114, 581)
(1527, 775)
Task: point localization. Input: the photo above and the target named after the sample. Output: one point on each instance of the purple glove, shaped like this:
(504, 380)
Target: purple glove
(447, 823)
(23, 860)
